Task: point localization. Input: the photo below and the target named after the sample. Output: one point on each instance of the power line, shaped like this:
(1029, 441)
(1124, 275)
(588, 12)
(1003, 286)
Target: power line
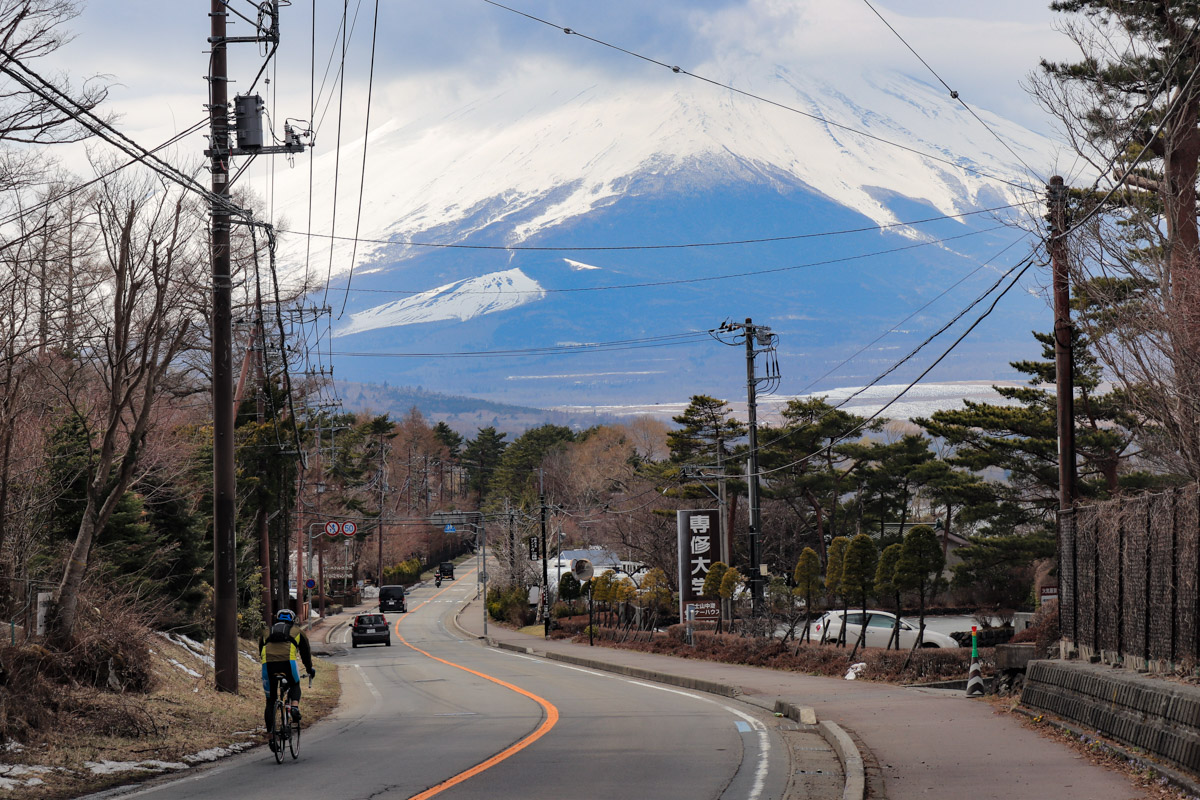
(690, 337)
(87, 184)
(337, 150)
(310, 235)
(953, 94)
(362, 178)
(866, 421)
(892, 329)
(681, 71)
(706, 279)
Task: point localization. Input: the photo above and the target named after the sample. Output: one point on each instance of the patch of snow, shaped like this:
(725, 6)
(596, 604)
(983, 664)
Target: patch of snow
(461, 300)
(12, 747)
(246, 655)
(197, 649)
(185, 668)
(578, 265)
(107, 767)
(21, 776)
(213, 753)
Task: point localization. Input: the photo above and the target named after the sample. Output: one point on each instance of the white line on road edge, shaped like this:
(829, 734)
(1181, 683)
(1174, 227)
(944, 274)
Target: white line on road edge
(367, 681)
(764, 741)
(564, 666)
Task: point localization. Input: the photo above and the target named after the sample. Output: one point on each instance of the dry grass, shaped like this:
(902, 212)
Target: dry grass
(181, 716)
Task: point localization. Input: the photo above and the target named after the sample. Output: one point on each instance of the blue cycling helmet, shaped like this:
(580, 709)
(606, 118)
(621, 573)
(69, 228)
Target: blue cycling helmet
(285, 615)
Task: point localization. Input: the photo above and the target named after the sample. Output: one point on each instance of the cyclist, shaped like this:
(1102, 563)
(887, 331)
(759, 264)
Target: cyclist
(278, 647)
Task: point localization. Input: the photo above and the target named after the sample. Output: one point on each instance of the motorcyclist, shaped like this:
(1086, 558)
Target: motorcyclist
(437, 578)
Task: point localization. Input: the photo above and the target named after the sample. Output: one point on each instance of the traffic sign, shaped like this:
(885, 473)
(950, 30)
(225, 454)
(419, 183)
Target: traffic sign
(310, 583)
(333, 528)
(449, 529)
(349, 528)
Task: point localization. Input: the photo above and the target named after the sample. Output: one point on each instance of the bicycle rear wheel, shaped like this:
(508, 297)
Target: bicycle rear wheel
(280, 733)
(294, 741)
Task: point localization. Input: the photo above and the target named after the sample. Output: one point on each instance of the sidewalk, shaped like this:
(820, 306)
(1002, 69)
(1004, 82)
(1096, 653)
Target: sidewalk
(925, 743)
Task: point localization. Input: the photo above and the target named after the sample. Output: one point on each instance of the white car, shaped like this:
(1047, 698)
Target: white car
(879, 630)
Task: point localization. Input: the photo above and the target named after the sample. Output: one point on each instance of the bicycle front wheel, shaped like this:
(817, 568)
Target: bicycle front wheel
(280, 733)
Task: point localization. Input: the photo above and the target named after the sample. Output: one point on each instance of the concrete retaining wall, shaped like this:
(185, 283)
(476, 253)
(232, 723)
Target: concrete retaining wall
(1160, 717)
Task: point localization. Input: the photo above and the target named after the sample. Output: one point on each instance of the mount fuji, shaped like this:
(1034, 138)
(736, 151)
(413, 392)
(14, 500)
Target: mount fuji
(879, 208)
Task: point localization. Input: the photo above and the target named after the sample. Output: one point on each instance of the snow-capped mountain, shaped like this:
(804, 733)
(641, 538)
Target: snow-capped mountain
(674, 163)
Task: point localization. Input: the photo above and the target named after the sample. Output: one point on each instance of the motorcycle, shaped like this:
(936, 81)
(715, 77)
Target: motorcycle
(437, 580)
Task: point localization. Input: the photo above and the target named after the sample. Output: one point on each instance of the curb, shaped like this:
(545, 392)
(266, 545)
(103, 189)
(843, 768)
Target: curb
(852, 760)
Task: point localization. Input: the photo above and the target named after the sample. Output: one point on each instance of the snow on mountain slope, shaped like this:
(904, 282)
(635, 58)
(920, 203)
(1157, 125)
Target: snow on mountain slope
(513, 168)
(460, 300)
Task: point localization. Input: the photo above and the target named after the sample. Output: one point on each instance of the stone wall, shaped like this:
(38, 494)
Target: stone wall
(1159, 716)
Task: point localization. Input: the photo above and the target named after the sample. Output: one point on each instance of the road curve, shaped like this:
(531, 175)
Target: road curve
(444, 717)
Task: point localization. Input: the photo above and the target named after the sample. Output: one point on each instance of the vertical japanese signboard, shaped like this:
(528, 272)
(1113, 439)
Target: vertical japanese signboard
(698, 549)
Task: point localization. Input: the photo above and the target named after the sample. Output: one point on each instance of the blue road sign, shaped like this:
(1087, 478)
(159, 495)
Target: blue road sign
(449, 529)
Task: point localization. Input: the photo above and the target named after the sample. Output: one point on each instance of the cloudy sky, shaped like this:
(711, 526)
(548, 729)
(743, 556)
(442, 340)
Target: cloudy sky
(433, 57)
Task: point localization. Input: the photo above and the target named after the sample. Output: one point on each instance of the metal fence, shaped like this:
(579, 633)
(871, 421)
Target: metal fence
(1128, 579)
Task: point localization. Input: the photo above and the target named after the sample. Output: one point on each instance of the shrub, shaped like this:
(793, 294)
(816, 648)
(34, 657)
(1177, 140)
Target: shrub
(510, 605)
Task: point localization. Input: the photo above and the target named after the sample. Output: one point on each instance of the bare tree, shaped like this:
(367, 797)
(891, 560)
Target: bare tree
(152, 254)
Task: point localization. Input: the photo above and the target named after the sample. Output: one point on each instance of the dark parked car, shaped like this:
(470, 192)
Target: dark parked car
(391, 598)
(370, 629)
(447, 570)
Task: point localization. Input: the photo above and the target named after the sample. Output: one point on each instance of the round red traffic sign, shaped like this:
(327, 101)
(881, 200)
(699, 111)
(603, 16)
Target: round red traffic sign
(349, 528)
(333, 528)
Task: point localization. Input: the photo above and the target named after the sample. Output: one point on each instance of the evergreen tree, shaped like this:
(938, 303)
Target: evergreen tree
(808, 582)
(1022, 440)
(919, 568)
(449, 437)
(516, 474)
(885, 585)
(812, 472)
(833, 580)
(481, 456)
(858, 577)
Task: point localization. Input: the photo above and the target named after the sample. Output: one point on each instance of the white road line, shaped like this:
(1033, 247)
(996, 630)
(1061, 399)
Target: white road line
(367, 681)
(764, 742)
(561, 664)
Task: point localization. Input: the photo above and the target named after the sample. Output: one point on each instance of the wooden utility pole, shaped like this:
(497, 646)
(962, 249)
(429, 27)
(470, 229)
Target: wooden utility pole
(220, 150)
(1063, 345)
(224, 487)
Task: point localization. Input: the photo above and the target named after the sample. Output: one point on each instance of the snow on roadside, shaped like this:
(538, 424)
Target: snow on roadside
(185, 668)
(212, 754)
(22, 776)
(106, 767)
(197, 649)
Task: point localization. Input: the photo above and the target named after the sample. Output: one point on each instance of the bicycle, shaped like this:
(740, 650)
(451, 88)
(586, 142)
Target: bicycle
(284, 733)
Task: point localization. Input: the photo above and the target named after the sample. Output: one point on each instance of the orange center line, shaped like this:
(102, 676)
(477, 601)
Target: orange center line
(549, 722)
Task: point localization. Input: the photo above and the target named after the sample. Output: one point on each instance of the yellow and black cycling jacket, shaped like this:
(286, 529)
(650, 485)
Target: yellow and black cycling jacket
(295, 644)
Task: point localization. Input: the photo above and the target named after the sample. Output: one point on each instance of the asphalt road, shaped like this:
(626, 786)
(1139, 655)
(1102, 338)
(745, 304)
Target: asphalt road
(438, 715)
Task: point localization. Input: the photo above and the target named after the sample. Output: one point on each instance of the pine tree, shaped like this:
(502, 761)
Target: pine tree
(858, 577)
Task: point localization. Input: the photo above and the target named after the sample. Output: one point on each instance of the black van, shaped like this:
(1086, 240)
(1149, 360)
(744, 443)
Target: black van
(447, 570)
(391, 598)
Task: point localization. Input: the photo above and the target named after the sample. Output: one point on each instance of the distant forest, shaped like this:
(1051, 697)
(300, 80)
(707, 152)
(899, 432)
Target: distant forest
(464, 414)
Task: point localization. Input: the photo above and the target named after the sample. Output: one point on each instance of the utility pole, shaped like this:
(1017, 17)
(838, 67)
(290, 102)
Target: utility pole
(543, 599)
(219, 153)
(382, 489)
(224, 546)
(758, 339)
(1063, 356)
